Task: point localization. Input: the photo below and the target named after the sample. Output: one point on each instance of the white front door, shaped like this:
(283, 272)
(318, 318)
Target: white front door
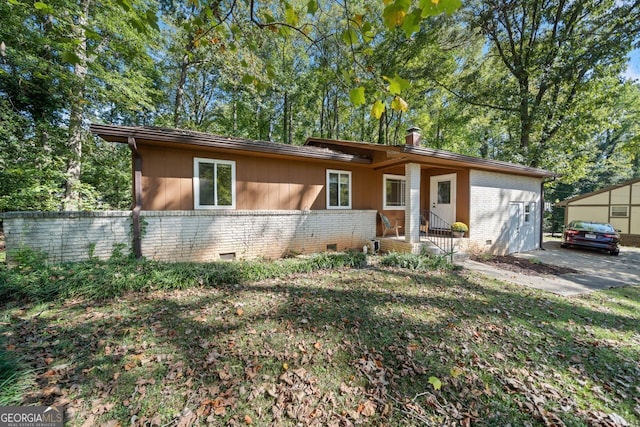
(443, 197)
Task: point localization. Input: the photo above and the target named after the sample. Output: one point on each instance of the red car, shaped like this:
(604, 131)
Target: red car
(595, 235)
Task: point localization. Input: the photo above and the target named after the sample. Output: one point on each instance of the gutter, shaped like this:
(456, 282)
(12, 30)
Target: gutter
(137, 191)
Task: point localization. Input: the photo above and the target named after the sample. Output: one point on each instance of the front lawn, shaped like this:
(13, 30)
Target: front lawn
(331, 347)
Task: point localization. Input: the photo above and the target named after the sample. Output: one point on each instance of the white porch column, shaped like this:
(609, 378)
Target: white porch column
(412, 203)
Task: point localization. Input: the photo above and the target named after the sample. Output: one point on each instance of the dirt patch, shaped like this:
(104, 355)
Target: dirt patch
(523, 266)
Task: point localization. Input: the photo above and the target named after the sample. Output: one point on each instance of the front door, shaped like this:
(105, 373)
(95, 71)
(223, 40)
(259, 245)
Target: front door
(443, 197)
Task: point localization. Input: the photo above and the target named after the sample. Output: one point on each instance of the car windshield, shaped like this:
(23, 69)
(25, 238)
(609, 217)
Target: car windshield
(594, 227)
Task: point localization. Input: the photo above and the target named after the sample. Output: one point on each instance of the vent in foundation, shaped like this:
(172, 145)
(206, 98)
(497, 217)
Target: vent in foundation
(488, 242)
(332, 247)
(228, 255)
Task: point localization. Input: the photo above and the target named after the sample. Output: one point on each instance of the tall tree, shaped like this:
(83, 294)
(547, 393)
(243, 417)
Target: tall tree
(550, 51)
(64, 61)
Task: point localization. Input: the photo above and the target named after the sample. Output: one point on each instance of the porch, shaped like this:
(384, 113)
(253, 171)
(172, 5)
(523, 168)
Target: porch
(454, 247)
(431, 235)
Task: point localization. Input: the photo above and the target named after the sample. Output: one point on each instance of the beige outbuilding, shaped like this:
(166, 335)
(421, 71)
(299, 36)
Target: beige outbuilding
(618, 205)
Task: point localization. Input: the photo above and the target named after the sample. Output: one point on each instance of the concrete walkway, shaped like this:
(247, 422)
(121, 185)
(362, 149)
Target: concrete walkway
(597, 270)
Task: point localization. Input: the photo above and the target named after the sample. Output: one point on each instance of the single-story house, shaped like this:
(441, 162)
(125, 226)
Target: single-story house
(199, 197)
(618, 205)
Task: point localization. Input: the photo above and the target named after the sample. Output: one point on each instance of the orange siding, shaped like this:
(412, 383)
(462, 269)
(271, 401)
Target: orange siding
(262, 183)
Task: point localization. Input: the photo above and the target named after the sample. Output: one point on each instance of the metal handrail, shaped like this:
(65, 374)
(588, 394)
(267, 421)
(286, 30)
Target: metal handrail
(437, 231)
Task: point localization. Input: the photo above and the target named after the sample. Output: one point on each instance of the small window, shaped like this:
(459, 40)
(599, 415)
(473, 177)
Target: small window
(394, 192)
(529, 209)
(214, 184)
(620, 211)
(338, 189)
(444, 192)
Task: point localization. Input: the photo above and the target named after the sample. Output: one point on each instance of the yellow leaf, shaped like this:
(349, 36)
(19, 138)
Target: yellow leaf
(399, 104)
(456, 372)
(239, 311)
(285, 366)
(435, 382)
(377, 109)
(248, 420)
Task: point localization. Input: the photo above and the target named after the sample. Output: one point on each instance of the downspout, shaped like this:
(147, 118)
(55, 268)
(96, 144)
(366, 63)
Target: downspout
(137, 192)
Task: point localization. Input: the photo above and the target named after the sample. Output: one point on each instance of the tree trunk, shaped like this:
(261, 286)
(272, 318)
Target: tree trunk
(177, 106)
(336, 123)
(324, 97)
(290, 125)
(285, 119)
(381, 123)
(76, 114)
(525, 118)
(234, 107)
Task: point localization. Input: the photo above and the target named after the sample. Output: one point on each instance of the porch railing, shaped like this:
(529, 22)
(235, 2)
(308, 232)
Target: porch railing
(437, 231)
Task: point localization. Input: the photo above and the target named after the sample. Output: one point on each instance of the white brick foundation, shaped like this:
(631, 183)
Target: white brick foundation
(189, 235)
(67, 236)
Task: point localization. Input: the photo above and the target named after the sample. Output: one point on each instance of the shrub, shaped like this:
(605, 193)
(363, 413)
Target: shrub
(415, 261)
(33, 279)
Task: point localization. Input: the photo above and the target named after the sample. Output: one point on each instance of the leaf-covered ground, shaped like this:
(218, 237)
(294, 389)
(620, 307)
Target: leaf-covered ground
(378, 346)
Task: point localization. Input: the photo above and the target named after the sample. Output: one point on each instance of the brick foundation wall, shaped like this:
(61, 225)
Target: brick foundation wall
(188, 235)
(68, 236)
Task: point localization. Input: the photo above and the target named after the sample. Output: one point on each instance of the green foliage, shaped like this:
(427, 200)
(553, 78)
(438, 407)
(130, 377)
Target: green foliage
(43, 86)
(301, 68)
(14, 378)
(31, 278)
(419, 262)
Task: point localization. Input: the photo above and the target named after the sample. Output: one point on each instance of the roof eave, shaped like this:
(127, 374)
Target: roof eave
(566, 202)
(122, 133)
(470, 161)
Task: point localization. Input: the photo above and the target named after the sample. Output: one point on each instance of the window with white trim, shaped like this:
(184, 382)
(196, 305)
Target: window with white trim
(393, 190)
(619, 211)
(338, 189)
(529, 209)
(214, 184)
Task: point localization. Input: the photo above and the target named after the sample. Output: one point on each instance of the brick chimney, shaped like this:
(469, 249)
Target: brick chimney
(413, 136)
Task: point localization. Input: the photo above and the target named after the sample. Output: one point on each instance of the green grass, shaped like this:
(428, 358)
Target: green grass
(286, 343)
(15, 377)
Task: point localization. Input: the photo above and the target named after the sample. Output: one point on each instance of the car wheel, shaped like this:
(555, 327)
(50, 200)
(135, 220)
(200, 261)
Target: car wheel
(614, 253)
(564, 245)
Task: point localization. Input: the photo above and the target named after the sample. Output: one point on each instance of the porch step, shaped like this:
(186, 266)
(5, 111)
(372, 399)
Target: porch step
(394, 244)
(433, 249)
